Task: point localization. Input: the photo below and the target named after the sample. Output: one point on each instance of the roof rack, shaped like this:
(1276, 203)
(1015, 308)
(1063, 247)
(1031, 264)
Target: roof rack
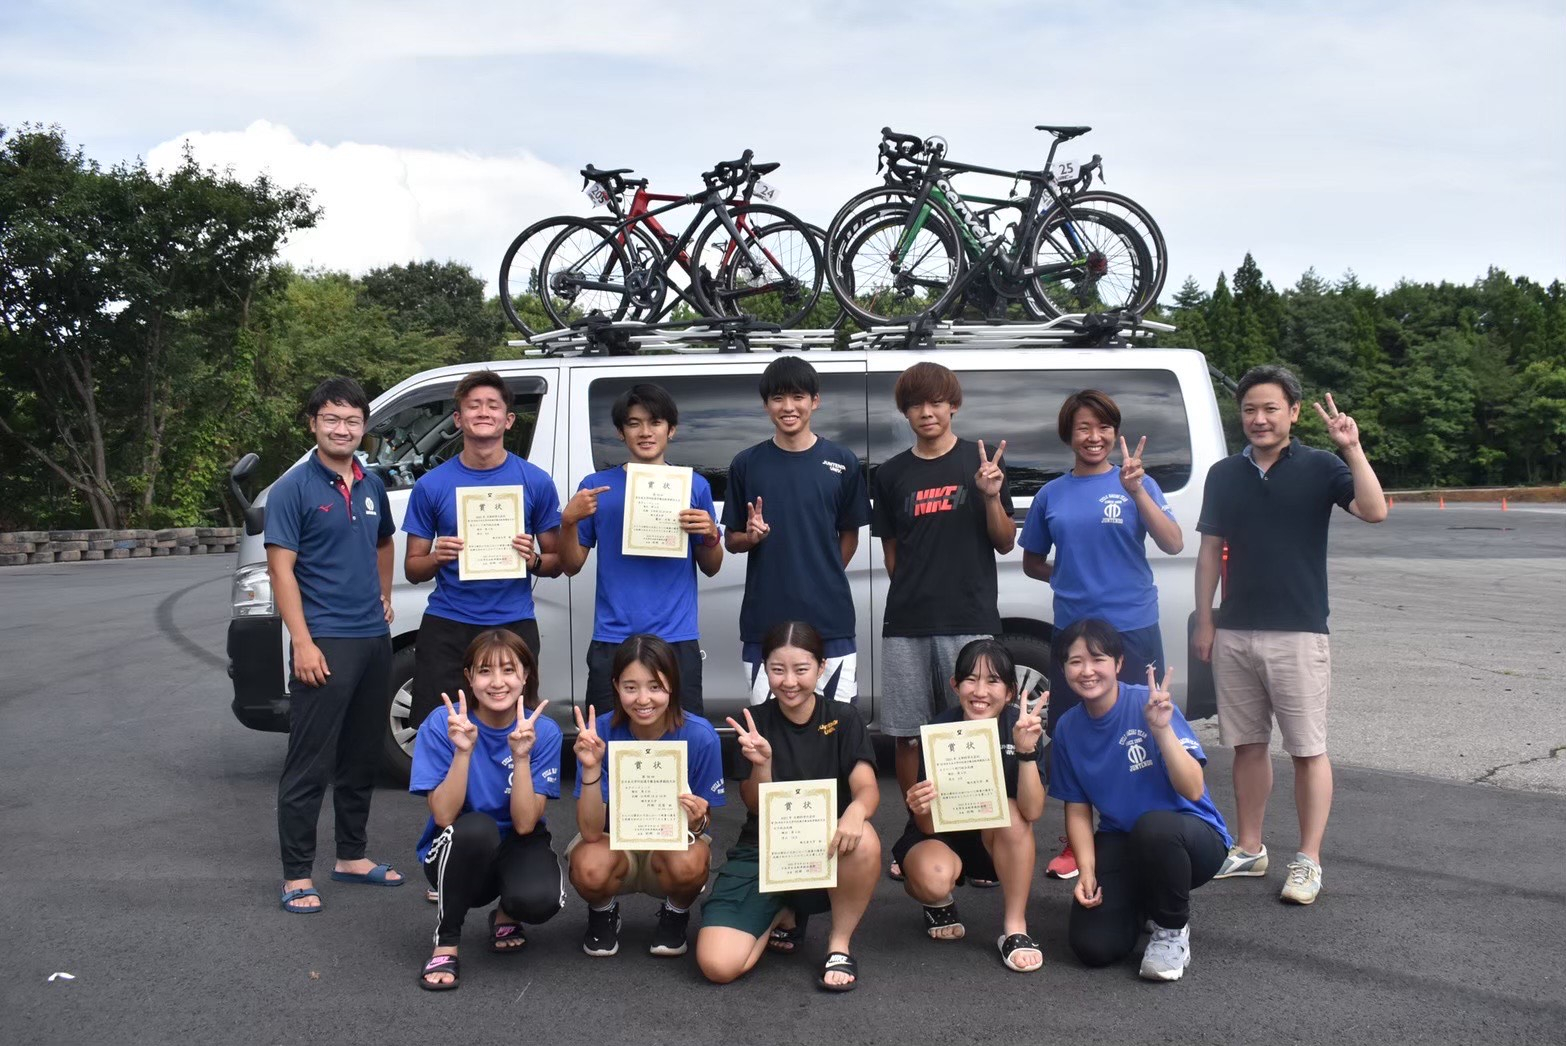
(597, 335)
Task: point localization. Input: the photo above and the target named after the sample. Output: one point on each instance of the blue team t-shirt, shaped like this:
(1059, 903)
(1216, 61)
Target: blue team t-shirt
(638, 594)
(703, 755)
(1114, 764)
(1101, 567)
(335, 532)
(432, 513)
(796, 573)
(489, 771)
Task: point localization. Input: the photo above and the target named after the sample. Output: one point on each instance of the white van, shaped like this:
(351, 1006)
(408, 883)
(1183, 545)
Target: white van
(562, 406)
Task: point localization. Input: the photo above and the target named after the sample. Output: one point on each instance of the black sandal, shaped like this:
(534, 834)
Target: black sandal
(787, 941)
(501, 933)
(1010, 944)
(941, 916)
(440, 964)
(839, 962)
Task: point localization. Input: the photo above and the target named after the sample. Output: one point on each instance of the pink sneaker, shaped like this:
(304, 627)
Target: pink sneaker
(1064, 866)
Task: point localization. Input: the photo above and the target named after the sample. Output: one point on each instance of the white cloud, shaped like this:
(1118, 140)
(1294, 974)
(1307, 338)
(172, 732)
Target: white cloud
(383, 205)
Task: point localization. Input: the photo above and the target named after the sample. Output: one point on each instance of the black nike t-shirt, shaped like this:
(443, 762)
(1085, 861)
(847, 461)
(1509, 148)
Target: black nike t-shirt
(943, 583)
(830, 743)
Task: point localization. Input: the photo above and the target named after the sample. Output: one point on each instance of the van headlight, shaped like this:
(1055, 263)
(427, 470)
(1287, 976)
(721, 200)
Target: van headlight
(253, 592)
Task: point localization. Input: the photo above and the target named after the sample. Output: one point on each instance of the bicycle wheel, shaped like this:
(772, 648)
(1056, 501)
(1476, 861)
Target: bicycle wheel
(1094, 262)
(884, 275)
(584, 271)
(1128, 210)
(772, 273)
(521, 295)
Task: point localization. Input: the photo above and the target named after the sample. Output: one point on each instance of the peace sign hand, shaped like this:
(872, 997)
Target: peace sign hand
(583, 503)
(1131, 472)
(752, 745)
(521, 739)
(1030, 724)
(990, 476)
(756, 528)
(462, 731)
(1341, 427)
(1160, 705)
(589, 747)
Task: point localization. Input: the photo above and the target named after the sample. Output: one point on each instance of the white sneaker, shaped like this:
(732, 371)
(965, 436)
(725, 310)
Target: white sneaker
(1304, 882)
(1237, 863)
(1167, 955)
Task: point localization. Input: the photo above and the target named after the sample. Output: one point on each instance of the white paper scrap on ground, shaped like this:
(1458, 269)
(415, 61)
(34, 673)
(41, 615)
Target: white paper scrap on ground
(61, 975)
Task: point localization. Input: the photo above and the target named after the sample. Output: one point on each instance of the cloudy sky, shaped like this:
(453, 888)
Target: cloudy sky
(1422, 140)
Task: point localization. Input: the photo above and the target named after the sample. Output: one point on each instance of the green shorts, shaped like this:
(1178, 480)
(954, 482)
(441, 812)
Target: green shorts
(737, 903)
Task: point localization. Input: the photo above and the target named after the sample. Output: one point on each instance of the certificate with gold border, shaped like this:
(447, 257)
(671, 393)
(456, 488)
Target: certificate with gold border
(646, 780)
(655, 495)
(798, 820)
(487, 519)
(963, 761)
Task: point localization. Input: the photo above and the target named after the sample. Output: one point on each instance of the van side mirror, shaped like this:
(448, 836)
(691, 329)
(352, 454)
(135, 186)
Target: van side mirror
(255, 518)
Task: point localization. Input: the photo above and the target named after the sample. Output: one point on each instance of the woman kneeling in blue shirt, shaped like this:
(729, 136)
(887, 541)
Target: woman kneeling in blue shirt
(1128, 753)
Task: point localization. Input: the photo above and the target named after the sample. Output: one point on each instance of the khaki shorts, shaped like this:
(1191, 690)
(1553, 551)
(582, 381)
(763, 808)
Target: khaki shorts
(639, 877)
(1265, 675)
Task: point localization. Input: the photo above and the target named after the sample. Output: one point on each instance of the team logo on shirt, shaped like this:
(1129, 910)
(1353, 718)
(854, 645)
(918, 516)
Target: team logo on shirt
(931, 500)
(510, 773)
(837, 467)
(551, 775)
(1135, 744)
(1114, 509)
(369, 506)
(716, 788)
(827, 729)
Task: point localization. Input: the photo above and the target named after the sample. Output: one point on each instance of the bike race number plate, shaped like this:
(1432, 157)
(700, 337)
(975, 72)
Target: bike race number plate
(764, 192)
(597, 194)
(1066, 170)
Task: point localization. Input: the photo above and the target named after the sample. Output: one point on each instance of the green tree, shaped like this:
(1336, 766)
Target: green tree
(438, 298)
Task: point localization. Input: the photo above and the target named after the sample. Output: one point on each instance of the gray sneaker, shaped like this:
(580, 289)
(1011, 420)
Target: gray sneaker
(1167, 955)
(1238, 863)
(1304, 882)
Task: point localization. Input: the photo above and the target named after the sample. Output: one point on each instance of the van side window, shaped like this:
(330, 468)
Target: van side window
(419, 432)
(1022, 408)
(721, 415)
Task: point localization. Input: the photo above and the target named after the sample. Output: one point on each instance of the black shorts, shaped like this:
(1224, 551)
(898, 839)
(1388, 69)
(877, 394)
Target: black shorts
(437, 664)
(968, 846)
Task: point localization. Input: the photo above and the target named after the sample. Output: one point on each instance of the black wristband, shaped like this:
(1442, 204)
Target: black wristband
(1029, 757)
(586, 783)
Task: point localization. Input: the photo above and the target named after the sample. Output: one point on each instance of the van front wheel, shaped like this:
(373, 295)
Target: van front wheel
(397, 748)
(1032, 656)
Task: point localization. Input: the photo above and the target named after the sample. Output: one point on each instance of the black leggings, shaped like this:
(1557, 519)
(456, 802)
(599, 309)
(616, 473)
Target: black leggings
(471, 865)
(1148, 872)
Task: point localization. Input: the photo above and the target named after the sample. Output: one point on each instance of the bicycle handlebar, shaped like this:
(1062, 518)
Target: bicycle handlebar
(729, 173)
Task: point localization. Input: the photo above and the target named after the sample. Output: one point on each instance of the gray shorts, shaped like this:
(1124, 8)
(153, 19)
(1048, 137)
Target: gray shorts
(915, 680)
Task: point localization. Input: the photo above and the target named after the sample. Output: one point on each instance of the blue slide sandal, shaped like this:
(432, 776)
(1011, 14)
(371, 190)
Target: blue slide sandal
(290, 899)
(374, 877)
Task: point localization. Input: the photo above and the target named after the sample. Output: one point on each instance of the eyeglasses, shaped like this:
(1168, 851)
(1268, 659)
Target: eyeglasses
(332, 421)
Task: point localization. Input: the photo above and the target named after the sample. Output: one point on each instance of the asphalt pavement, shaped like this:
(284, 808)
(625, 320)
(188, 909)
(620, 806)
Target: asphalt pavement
(140, 853)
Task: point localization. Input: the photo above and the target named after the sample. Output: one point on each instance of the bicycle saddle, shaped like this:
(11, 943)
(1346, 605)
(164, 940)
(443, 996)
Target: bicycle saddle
(594, 174)
(1065, 134)
(765, 168)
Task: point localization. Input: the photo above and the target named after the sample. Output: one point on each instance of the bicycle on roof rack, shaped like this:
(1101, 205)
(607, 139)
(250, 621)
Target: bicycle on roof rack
(916, 245)
(750, 260)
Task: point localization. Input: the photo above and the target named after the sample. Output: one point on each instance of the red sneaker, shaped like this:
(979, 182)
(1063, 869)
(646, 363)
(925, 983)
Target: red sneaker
(1064, 866)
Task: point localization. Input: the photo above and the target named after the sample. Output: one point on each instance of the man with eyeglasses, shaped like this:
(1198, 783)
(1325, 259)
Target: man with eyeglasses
(328, 541)
(1272, 503)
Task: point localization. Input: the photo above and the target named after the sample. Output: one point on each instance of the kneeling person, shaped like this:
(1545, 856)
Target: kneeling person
(645, 674)
(934, 863)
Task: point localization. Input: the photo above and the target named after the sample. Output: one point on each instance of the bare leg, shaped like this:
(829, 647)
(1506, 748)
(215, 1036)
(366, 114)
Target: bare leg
(598, 872)
(726, 954)
(1252, 787)
(1014, 853)
(857, 872)
(1313, 798)
(932, 869)
(907, 763)
(682, 874)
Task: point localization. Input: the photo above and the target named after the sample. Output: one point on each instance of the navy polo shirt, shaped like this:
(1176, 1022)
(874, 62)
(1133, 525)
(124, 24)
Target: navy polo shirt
(1276, 526)
(334, 530)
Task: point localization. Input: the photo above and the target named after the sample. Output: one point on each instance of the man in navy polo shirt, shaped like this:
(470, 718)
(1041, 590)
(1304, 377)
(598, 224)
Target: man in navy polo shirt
(795, 504)
(459, 610)
(640, 594)
(1272, 503)
(329, 553)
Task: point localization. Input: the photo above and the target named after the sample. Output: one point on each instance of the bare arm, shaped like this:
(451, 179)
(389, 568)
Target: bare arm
(527, 806)
(423, 558)
(309, 663)
(1163, 528)
(570, 553)
(1370, 503)
(1030, 790)
(889, 555)
(1185, 773)
(1036, 566)
(709, 557)
(1209, 563)
(847, 545)
(590, 807)
(447, 798)
(865, 790)
(548, 544)
(1002, 528)
(1079, 833)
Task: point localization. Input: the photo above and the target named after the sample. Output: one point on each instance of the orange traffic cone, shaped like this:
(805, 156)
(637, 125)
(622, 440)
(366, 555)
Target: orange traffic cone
(1443, 501)
(1390, 503)
(1503, 505)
